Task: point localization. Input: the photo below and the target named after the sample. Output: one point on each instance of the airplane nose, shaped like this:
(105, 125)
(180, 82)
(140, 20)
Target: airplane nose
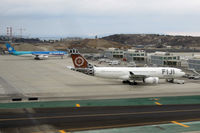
(183, 73)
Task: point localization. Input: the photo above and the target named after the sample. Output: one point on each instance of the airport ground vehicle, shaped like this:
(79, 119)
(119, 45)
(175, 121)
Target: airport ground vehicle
(195, 77)
(114, 62)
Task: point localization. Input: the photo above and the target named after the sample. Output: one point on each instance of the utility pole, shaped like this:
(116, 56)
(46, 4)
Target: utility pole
(9, 32)
(21, 31)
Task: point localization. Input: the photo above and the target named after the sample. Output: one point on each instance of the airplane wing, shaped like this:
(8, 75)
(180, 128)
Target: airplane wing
(144, 78)
(133, 76)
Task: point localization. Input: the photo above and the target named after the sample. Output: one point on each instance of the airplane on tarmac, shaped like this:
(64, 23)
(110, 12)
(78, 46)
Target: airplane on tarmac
(36, 54)
(128, 75)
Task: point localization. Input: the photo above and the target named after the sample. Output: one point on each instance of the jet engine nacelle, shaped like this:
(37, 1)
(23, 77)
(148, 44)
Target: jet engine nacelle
(41, 57)
(151, 80)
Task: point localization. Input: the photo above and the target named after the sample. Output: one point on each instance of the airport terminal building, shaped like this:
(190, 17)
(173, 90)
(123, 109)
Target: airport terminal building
(135, 55)
(114, 53)
(194, 64)
(129, 55)
(165, 59)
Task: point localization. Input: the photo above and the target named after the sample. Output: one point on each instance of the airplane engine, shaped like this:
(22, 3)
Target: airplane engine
(40, 57)
(151, 80)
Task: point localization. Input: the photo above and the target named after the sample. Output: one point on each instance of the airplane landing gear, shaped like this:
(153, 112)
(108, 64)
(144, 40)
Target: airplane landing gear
(170, 80)
(125, 81)
(133, 83)
(37, 58)
(129, 82)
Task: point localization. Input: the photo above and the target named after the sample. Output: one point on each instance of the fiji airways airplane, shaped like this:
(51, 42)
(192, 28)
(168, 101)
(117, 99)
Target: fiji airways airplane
(127, 74)
(36, 54)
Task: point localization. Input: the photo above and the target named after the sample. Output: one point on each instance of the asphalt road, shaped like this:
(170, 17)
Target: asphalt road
(85, 118)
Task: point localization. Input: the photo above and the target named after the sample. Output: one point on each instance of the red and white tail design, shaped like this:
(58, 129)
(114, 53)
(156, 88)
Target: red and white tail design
(79, 61)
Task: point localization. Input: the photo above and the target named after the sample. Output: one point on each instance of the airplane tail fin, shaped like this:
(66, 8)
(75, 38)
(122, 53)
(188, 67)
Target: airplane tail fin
(10, 48)
(78, 60)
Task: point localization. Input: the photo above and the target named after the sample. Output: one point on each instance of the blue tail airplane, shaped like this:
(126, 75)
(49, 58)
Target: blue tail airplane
(36, 54)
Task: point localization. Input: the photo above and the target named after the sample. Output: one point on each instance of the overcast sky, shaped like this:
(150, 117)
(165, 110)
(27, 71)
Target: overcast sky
(62, 18)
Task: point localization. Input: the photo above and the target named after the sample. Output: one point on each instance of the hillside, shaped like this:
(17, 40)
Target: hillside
(126, 41)
(154, 39)
(90, 45)
(83, 45)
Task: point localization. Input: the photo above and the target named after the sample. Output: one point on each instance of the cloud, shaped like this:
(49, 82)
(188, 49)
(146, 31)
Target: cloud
(90, 17)
(97, 7)
(184, 33)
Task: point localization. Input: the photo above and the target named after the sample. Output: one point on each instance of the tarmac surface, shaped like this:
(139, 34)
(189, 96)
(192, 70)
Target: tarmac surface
(50, 79)
(173, 127)
(53, 120)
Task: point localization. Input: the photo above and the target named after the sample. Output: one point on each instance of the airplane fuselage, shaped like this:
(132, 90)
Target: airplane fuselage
(31, 53)
(50, 53)
(124, 72)
(22, 53)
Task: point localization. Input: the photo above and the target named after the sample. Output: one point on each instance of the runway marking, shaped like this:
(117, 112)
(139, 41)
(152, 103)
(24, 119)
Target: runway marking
(158, 103)
(175, 122)
(78, 105)
(95, 115)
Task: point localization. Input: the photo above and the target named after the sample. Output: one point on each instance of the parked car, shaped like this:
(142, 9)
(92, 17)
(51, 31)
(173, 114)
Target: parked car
(114, 62)
(195, 77)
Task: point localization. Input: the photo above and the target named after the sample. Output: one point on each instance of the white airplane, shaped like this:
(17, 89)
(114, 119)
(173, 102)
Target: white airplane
(126, 74)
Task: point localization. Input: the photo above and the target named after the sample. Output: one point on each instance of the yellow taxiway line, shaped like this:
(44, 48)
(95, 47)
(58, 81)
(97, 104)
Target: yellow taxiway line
(158, 103)
(78, 105)
(175, 122)
(62, 131)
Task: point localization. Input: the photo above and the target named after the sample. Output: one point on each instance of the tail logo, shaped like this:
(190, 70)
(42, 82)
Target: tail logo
(10, 49)
(79, 61)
